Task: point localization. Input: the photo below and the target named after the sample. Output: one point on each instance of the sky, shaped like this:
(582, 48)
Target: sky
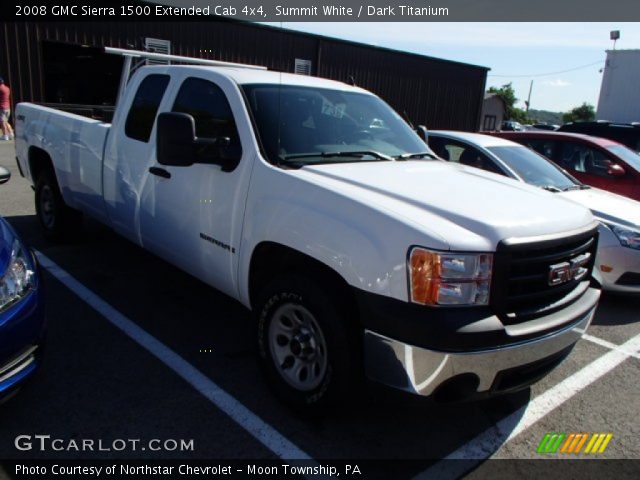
(515, 52)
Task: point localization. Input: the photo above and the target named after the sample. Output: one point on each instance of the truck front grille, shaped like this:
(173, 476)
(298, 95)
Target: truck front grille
(537, 278)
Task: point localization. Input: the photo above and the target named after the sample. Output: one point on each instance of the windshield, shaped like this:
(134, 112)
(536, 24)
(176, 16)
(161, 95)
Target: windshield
(629, 156)
(533, 168)
(325, 126)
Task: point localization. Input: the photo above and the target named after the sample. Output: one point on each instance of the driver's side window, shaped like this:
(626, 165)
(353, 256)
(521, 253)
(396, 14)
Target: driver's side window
(584, 159)
(209, 107)
(473, 157)
(464, 154)
(597, 163)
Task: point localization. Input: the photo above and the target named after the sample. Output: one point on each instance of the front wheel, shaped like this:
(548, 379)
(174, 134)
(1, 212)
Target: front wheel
(306, 346)
(59, 222)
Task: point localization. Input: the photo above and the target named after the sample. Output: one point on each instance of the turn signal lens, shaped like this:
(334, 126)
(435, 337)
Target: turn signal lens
(442, 278)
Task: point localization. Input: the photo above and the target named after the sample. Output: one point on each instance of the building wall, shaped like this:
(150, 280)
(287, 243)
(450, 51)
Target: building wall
(492, 113)
(433, 92)
(620, 91)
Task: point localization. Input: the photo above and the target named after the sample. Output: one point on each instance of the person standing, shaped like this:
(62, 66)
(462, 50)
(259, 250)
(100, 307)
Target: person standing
(5, 111)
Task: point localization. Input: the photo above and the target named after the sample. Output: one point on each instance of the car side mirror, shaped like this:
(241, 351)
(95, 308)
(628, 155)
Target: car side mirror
(616, 170)
(218, 151)
(177, 144)
(5, 175)
(176, 139)
(422, 132)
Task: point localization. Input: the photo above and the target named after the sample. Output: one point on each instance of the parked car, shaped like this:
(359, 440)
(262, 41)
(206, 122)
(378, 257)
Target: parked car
(511, 126)
(22, 320)
(317, 207)
(627, 134)
(598, 162)
(545, 126)
(618, 258)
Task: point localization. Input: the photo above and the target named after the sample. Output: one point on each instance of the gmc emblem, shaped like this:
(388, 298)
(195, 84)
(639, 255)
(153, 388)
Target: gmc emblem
(564, 272)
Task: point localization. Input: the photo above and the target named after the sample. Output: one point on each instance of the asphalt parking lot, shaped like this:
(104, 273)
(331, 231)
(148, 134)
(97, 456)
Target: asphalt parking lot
(138, 349)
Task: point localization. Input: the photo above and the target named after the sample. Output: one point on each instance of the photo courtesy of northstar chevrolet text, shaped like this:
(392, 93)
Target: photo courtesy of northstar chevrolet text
(301, 239)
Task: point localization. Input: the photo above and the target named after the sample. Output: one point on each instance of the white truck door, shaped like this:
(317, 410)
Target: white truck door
(130, 151)
(193, 216)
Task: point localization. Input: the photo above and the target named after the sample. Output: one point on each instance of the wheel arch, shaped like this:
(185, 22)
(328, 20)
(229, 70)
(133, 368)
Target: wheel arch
(270, 259)
(39, 161)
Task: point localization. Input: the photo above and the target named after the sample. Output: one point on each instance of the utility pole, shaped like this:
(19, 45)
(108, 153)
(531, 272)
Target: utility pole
(528, 102)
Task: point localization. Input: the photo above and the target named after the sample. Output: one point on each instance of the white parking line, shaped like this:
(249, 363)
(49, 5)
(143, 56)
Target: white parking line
(488, 442)
(253, 424)
(609, 345)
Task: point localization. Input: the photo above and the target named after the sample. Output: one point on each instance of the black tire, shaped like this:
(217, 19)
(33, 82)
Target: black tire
(341, 380)
(59, 222)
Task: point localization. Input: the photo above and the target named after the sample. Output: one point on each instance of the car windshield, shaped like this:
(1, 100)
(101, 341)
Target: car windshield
(318, 125)
(533, 168)
(626, 154)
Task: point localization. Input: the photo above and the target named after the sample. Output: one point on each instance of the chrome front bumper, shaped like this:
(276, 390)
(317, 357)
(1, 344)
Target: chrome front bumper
(425, 372)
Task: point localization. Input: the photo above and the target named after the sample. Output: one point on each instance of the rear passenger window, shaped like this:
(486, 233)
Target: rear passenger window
(543, 147)
(145, 107)
(208, 105)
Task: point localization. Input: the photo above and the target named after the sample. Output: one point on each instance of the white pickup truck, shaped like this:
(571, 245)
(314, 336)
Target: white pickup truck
(313, 203)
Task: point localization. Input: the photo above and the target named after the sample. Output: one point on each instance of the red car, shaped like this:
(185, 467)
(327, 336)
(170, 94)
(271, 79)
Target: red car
(598, 162)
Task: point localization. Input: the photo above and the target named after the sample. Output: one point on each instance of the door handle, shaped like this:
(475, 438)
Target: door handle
(160, 172)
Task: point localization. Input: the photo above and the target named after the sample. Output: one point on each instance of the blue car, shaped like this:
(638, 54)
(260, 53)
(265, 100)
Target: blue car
(22, 319)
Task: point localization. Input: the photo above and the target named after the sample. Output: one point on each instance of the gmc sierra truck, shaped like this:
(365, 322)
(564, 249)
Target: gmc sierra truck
(360, 253)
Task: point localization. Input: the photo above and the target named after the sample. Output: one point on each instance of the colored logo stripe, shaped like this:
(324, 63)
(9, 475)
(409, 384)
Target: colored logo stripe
(598, 442)
(573, 443)
(551, 442)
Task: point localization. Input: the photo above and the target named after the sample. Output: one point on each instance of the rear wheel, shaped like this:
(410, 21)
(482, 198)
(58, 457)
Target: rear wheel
(59, 222)
(306, 345)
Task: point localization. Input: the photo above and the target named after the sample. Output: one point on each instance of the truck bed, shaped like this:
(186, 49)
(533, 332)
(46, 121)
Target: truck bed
(75, 145)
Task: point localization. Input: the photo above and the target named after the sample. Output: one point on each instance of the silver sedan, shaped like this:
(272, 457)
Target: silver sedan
(618, 258)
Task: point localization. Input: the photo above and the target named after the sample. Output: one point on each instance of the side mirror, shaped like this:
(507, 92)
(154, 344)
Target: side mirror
(178, 146)
(616, 170)
(422, 132)
(5, 175)
(218, 151)
(176, 139)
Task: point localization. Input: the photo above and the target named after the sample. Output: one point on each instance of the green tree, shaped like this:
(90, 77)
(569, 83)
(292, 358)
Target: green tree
(519, 115)
(583, 113)
(508, 96)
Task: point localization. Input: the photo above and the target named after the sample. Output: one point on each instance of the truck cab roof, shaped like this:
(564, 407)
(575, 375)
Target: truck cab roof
(246, 76)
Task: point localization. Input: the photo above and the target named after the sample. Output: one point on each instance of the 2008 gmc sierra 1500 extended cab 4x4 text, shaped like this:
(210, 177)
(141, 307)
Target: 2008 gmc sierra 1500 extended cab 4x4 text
(314, 204)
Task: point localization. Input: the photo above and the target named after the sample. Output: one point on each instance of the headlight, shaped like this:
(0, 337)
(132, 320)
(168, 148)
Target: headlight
(441, 278)
(627, 236)
(18, 279)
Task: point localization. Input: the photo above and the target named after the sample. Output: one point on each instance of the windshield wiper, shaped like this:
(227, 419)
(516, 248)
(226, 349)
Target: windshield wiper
(408, 156)
(347, 153)
(574, 187)
(551, 188)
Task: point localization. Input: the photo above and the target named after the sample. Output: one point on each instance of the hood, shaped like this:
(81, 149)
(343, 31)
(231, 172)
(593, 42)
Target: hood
(467, 207)
(607, 206)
